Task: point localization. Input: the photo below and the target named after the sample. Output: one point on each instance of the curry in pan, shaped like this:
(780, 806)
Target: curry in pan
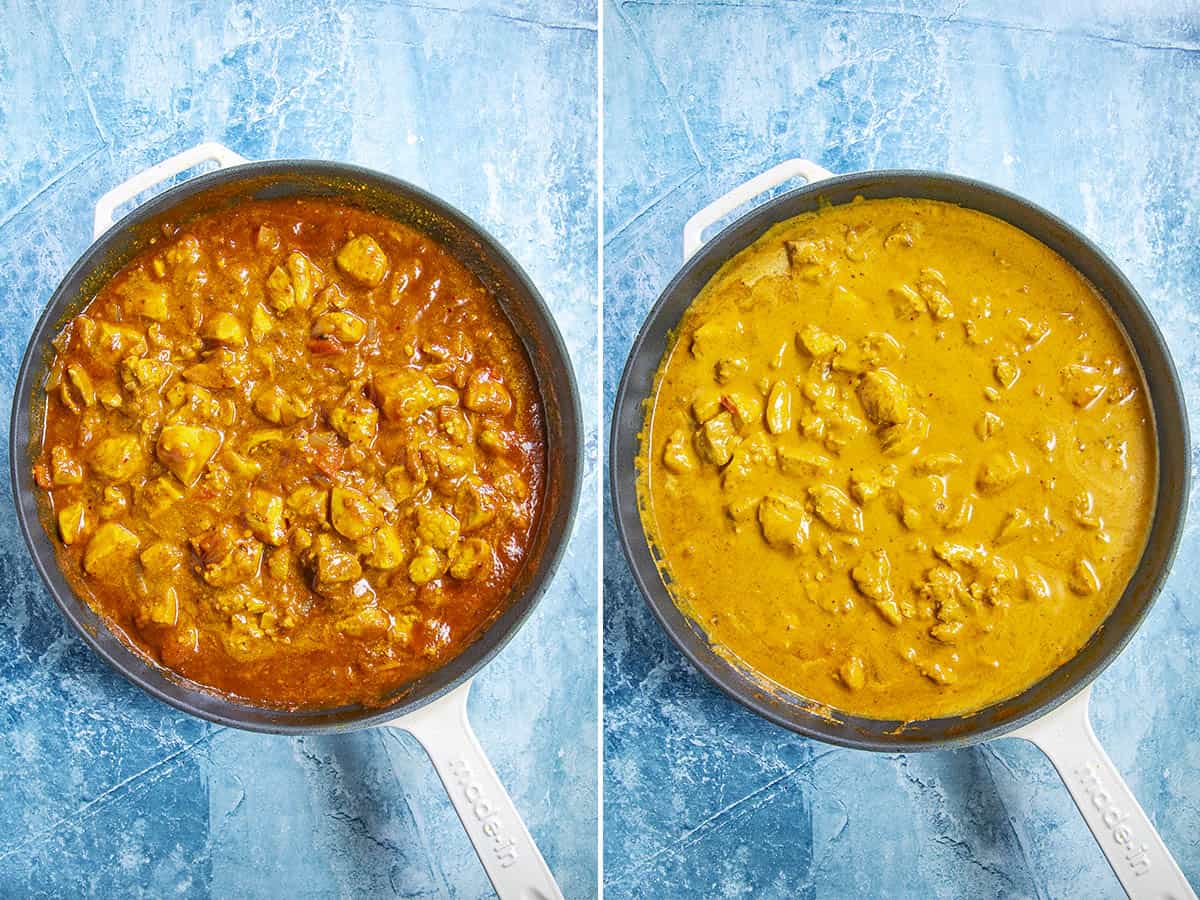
(899, 459)
(294, 452)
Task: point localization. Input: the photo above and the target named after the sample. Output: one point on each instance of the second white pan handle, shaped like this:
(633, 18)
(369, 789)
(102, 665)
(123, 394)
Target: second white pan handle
(1127, 837)
(107, 206)
(693, 231)
(509, 856)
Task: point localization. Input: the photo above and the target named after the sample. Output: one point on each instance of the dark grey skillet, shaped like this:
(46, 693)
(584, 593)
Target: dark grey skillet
(1066, 736)
(432, 708)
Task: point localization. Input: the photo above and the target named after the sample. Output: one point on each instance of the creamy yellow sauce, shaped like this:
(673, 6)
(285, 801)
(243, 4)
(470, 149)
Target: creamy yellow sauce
(898, 459)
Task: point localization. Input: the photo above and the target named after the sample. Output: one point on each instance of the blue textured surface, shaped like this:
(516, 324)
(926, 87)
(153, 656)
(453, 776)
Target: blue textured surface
(1084, 108)
(104, 791)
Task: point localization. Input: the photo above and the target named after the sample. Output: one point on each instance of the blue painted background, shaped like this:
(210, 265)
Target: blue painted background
(492, 105)
(1088, 108)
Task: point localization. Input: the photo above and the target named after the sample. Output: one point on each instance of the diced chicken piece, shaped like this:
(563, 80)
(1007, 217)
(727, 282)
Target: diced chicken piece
(853, 674)
(494, 441)
(779, 408)
(72, 522)
(712, 336)
(471, 559)
(367, 622)
(437, 527)
(487, 395)
(819, 343)
(146, 298)
(937, 464)
(884, 397)
(356, 419)
(872, 576)
(1006, 371)
(810, 259)
(475, 504)
(306, 278)
(835, 509)
(676, 456)
(510, 483)
(227, 558)
(64, 468)
(110, 551)
(264, 515)
(159, 495)
(880, 349)
(223, 328)
(426, 565)
(867, 484)
(803, 461)
(162, 557)
(1037, 588)
(341, 324)
(262, 323)
(947, 632)
(280, 407)
(705, 406)
(716, 439)
(455, 424)
(1083, 384)
(113, 502)
(999, 471)
(746, 409)
(145, 372)
(280, 293)
(1084, 580)
(890, 610)
(363, 260)
(115, 342)
(403, 394)
(783, 521)
(161, 609)
(118, 458)
(387, 549)
(904, 437)
(352, 515)
(186, 450)
(742, 509)
(308, 502)
(77, 390)
(730, 368)
(331, 564)
(1016, 524)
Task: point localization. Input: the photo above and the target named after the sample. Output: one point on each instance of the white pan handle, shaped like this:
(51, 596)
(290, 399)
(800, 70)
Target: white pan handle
(1127, 837)
(107, 206)
(506, 849)
(693, 231)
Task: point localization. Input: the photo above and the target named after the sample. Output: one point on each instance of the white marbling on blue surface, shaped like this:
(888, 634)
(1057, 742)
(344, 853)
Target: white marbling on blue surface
(1088, 108)
(491, 105)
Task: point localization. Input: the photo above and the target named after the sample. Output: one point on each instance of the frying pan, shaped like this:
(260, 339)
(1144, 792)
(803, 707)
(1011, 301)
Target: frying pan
(434, 708)
(1052, 713)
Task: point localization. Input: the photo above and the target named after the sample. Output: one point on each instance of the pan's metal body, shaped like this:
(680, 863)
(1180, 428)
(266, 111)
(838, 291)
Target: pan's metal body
(401, 201)
(795, 712)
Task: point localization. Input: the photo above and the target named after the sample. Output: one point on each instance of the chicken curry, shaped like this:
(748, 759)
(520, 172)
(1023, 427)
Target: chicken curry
(899, 459)
(294, 452)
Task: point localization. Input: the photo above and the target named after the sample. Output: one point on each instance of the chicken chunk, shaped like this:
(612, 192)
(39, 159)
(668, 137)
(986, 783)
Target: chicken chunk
(186, 450)
(403, 394)
(64, 468)
(352, 515)
(280, 407)
(264, 515)
(783, 521)
(118, 458)
(427, 565)
(225, 329)
(341, 324)
(356, 419)
(72, 522)
(884, 397)
(487, 395)
(471, 559)
(437, 528)
(110, 551)
(363, 260)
